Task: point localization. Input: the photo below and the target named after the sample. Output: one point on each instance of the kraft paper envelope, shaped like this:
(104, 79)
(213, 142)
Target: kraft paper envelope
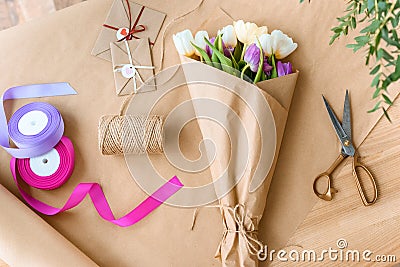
(141, 56)
(118, 17)
(27, 240)
(164, 238)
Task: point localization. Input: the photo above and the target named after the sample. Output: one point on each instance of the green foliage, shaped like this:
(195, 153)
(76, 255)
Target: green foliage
(379, 39)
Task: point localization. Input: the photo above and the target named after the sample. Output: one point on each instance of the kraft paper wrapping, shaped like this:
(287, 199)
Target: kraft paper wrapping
(233, 250)
(27, 240)
(65, 40)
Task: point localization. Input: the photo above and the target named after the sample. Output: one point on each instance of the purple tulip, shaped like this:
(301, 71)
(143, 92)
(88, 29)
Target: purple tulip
(266, 67)
(208, 49)
(284, 68)
(252, 57)
(227, 50)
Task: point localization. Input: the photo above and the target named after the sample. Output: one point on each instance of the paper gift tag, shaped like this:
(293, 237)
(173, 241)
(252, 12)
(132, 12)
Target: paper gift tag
(118, 18)
(124, 72)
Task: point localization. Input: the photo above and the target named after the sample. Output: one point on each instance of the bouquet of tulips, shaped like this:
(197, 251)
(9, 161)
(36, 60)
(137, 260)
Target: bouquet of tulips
(242, 49)
(254, 57)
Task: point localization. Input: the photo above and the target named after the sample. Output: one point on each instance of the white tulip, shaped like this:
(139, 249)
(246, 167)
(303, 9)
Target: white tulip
(266, 43)
(282, 44)
(228, 36)
(247, 32)
(182, 41)
(199, 41)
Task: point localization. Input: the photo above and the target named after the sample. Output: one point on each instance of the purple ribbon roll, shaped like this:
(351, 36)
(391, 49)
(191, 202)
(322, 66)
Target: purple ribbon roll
(36, 126)
(37, 136)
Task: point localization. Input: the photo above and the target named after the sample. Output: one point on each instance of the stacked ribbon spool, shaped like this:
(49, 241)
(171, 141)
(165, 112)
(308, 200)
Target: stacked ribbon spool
(41, 125)
(44, 158)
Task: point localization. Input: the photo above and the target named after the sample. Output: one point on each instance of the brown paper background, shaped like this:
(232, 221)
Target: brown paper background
(27, 240)
(57, 48)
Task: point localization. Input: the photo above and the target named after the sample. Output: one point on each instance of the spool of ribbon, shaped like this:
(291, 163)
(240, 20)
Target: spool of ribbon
(51, 170)
(65, 152)
(127, 134)
(133, 28)
(37, 127)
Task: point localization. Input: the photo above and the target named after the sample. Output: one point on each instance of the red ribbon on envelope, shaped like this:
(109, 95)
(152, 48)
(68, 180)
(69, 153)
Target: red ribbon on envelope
(133, 28)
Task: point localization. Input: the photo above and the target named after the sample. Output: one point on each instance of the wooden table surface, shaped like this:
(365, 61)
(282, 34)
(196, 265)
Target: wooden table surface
(375, 228)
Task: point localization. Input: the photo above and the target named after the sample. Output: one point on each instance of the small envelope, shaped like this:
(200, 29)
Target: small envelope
(118, 18)
(141, 61)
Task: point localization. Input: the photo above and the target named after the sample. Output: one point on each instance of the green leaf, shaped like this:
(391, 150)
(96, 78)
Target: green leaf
(362, 40)
(234, 62)
(226, 63)
(393, 77)
(353, 23)
(237, 53)
(260, 65)
(394, 21)
(376, 80)
(370, 5)
(274, 72)
(355, 47)
(214, 57)
(376, 107)
(387, 99)
(382, 6)
(337, 29)
(375, 70)
(333, 38)
(386, 114)
(218, 44)
(382, 53)
(203, 54)
(372, 27)
(376, 93)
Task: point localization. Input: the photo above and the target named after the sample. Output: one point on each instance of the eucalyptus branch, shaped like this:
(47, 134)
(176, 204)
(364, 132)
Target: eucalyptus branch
(379, 39)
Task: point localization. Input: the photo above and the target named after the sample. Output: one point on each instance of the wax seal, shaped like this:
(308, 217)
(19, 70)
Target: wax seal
(122, 33)
(128, 71)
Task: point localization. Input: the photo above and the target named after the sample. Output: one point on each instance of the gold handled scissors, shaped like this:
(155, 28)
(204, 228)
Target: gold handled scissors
(343, 131)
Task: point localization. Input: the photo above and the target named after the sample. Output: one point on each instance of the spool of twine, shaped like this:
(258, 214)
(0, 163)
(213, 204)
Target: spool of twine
(128, 134)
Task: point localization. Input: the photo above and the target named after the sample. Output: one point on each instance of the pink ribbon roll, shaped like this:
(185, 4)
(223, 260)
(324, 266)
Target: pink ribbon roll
(51, 170)
(65, 152)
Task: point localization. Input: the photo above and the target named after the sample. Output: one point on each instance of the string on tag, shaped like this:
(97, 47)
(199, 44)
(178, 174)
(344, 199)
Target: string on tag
(130, 70)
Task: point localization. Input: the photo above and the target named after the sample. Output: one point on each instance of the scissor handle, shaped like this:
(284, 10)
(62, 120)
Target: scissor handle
(328, 194)
(357, 166)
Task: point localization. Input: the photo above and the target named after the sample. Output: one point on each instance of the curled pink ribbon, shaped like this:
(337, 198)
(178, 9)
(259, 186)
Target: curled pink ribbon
(92, 189)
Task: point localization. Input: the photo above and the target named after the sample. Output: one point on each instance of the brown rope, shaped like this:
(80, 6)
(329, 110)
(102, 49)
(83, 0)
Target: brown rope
(128, 134)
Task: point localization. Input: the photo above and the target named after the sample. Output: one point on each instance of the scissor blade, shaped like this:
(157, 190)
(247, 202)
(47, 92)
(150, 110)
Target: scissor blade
(346, 122)
(347, 146)
(335, 122)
